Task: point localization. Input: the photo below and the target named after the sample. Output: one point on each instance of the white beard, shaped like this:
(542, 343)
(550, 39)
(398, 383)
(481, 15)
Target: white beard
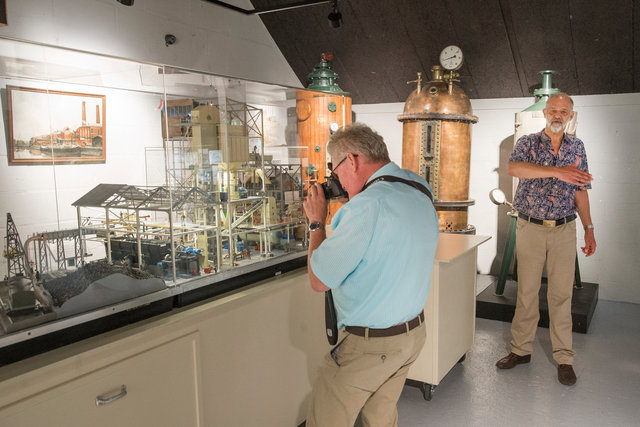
(556, 127)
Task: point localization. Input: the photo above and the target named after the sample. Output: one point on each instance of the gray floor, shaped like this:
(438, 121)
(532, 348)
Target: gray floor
(476, 393)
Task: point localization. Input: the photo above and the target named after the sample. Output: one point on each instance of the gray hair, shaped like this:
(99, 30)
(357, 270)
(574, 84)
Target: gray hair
(560, 95)
(361, 139)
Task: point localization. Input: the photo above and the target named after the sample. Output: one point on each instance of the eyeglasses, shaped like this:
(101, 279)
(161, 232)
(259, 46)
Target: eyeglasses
(333, 170)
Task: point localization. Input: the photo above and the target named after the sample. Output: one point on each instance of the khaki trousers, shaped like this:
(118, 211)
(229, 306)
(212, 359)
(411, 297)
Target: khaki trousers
(364, 375)
(536, 244)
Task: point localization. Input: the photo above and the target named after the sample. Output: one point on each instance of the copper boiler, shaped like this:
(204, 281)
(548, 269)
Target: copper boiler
(319, 114)
(436, 144)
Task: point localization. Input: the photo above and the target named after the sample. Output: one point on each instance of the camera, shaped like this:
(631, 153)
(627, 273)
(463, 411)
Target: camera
(332, 188)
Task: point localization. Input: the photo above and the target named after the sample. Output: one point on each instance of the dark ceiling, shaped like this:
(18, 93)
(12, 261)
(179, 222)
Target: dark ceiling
(594, 45)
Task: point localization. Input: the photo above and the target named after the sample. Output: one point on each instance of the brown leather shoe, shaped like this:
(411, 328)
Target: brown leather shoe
(512, 360)
(566, 375)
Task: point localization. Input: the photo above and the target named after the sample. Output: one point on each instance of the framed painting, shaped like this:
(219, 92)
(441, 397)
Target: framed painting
(54, 127)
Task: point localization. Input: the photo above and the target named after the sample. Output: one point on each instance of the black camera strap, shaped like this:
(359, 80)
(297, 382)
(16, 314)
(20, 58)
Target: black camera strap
(391, 178)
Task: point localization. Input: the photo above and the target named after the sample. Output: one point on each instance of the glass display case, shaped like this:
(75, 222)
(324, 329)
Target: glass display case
(133, 188)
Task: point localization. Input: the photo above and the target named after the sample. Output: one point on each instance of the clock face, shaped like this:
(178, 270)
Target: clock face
(451, 58)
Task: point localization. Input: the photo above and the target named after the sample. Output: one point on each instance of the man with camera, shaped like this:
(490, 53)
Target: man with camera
(377, 262)
(554, 179)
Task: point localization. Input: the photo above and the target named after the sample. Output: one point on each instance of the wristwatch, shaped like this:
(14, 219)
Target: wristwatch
(315, 225)
(588, 226)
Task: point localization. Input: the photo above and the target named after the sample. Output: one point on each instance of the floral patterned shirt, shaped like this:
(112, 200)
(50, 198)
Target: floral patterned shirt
(548, 198)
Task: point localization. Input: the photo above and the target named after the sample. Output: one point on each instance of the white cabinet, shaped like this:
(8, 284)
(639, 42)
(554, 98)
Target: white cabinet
(156, 387)
(450, 311)
(245, 359)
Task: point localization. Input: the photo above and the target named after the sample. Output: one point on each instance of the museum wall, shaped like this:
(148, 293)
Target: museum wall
(608, 125)
(209, 37)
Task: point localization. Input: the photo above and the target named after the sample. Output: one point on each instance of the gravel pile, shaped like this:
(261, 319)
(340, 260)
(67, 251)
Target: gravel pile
(74, 283)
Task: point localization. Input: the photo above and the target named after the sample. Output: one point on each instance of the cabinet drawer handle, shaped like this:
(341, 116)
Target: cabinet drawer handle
(103, 400)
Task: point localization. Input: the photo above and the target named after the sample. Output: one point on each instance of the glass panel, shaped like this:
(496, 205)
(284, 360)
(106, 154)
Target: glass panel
(76, 122)
(130, 183)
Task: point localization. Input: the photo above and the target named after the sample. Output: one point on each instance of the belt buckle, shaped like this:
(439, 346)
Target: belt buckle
(549, 222)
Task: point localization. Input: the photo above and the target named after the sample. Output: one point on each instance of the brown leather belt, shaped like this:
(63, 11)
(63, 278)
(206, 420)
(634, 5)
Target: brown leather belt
(402, 328)
(547, 222)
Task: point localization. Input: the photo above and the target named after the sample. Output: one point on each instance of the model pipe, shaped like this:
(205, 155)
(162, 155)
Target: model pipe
(498, 197)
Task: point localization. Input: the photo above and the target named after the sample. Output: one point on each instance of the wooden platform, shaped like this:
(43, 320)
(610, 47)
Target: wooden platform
(494, 307)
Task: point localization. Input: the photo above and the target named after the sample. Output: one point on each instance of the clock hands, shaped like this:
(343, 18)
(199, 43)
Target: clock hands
(451, 58)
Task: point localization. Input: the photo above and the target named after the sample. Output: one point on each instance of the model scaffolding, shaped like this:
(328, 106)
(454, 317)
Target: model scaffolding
(220, 149)
(154, 228)
(23, 301)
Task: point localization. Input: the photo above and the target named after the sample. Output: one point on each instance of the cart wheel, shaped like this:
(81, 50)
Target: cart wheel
(427, 390)
(464, 356)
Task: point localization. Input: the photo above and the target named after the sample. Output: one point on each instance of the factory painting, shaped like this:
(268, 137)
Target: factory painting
(54, 127)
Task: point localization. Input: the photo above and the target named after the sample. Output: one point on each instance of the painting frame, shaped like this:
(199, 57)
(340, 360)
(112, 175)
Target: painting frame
(50, 127)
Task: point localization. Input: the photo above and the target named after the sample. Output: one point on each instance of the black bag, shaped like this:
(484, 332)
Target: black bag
(330, 318)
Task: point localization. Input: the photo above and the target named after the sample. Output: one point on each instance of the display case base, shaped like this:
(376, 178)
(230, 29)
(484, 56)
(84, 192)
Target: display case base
(502, 307)
(41, 344)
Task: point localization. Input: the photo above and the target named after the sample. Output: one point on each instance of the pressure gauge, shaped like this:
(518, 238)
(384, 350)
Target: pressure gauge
(451, 58)
(334, 126)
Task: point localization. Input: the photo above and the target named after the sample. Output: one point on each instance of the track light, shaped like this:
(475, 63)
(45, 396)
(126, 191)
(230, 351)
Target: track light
(335, 17)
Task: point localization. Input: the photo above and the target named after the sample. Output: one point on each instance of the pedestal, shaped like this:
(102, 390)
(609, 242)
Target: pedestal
(502, 307)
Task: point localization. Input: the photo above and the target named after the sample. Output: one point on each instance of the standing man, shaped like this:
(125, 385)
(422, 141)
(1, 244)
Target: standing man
(378, 263)
(554, 179)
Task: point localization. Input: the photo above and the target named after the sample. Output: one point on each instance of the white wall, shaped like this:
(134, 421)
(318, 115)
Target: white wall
(609, 125)
(209, 37)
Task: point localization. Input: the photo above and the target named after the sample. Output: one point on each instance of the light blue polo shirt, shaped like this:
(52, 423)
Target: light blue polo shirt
(379, 257)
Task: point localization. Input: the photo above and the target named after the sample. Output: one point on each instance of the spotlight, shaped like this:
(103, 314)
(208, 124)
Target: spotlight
(169, 39)
(335, 17)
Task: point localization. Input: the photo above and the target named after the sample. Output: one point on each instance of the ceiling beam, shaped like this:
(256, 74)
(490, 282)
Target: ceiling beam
(262, 10)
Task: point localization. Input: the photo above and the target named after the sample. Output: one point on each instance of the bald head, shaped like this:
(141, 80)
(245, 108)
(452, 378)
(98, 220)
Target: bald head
(560, 96)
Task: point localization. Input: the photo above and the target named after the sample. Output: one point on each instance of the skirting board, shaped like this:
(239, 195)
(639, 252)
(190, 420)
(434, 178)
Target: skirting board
(494, 307)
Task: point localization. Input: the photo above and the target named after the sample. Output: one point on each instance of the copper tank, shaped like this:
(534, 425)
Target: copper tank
(316, 112)
(436, 144)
